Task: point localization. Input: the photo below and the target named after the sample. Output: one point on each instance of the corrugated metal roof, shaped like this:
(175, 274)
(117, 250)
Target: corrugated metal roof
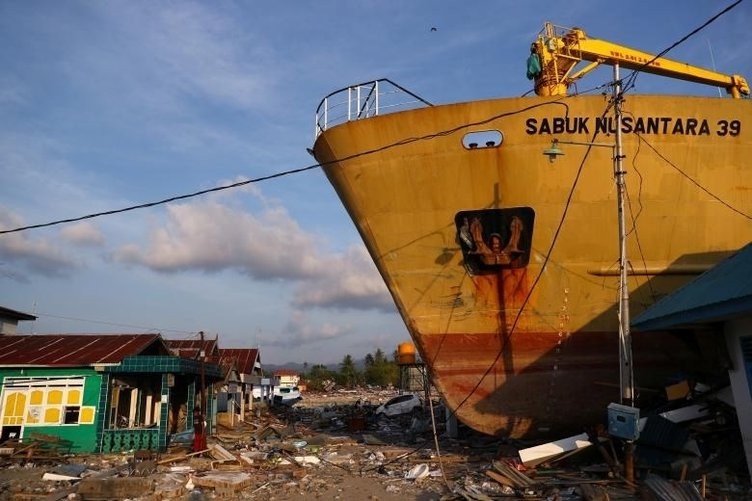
(724, 291)
(245, 358)
(74, 350)
(191, 348)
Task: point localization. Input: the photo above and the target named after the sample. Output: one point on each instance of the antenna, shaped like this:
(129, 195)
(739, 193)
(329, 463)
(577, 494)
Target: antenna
(712, 62)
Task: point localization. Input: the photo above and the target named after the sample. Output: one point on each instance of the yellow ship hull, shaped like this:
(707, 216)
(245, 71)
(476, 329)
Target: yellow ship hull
(523, 341)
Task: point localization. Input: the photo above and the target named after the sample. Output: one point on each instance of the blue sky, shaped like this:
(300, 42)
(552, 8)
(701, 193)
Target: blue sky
(109, 104)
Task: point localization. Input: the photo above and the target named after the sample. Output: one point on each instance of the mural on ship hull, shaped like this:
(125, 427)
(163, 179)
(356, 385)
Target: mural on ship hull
(494, 239)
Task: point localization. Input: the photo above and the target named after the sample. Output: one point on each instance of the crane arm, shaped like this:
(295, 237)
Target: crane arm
(559, 51)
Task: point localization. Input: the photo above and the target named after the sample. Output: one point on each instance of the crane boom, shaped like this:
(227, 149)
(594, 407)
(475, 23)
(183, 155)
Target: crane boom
(559, 50)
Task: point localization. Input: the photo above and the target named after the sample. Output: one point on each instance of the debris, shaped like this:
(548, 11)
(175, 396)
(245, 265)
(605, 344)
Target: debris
(56, 477)
(114, 488)
(518, 479)
(661, 489)
(418, 472)
(678, 391)
(224, 484)
(184, 456)
(533, 456)
(221, 454)
(325, 459)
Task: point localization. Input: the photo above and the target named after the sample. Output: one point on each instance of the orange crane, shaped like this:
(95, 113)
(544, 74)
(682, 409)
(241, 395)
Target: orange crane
(557, 51)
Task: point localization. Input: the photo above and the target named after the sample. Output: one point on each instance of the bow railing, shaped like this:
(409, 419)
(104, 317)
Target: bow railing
(364, 100)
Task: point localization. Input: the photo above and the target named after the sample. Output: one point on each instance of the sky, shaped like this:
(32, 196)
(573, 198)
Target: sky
(109, 104)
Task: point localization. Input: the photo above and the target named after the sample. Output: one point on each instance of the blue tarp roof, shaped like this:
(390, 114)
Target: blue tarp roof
(723, 292)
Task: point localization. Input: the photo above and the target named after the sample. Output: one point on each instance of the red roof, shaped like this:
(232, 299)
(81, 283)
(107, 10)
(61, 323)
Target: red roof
(191, 348)
(286, 372)
(245, 358)
(75, 350)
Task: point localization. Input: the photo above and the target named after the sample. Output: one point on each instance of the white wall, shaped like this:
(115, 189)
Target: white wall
(740, 386)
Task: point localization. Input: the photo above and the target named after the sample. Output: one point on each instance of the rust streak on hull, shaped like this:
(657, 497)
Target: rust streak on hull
(552, 384)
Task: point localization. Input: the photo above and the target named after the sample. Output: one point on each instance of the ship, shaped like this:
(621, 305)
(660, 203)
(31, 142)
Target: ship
(495, 226)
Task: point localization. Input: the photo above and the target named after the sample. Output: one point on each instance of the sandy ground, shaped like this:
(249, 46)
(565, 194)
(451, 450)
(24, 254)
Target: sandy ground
(325, 485)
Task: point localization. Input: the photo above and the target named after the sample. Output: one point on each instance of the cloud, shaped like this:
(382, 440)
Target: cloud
(300, 331)
(35, 255)
(212, 237)
(83, 234)
(351, 282)
(205, 52)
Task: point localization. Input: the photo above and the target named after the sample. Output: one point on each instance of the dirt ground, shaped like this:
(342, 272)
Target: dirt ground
(348, 487)
(332, 446)
(332, 485)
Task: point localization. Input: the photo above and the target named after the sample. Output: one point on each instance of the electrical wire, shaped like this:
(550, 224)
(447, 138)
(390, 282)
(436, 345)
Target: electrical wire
(116, 324)
(691, 179)
(160, 202)
(546, 259)
(630, 80)
(238, 184)
(406, 141)
(566, 207)
(635, 216)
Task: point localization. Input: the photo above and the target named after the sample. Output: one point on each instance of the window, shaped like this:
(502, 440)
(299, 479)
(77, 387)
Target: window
(42, 401)
(71, 414)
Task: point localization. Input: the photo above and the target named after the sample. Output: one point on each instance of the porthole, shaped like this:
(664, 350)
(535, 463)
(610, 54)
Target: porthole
(482, 139)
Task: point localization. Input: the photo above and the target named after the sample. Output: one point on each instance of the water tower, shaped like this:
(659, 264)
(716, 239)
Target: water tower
(413, 377)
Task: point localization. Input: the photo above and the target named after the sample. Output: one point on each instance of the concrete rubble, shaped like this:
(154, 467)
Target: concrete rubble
(333, 446)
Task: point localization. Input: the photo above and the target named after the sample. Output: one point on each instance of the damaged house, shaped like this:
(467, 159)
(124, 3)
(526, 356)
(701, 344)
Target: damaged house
(98, 392)
(721, 299)
(247, 363)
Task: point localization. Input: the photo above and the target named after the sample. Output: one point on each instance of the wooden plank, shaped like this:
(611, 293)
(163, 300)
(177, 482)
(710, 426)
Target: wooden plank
(180, 458)
(533, 456)
(498, 477)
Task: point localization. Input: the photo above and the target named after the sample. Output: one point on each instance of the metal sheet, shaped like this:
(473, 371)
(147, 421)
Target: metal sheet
(72, 349)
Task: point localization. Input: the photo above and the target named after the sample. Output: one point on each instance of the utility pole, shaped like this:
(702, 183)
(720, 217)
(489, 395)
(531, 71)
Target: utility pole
(626, 370)
(202, 354)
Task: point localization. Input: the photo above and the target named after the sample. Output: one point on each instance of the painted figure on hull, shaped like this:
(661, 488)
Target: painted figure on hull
(495, 238)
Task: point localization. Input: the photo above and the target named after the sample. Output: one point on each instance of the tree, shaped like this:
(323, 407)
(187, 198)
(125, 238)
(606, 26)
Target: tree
(381, 372)
(320, 377)
(369, 360)
(379, 357)
(347, 371)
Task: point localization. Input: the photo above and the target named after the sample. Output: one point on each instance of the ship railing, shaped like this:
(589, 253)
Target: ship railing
(364, 100)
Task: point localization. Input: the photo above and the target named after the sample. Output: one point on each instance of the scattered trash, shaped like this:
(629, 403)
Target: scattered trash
(687, 449)
(417, 472)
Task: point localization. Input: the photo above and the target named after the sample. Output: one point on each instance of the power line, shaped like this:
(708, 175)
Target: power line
(512, 330)
(566, 207)
(401, 142)
(630, 83)
(115, 324)
(692, 180)
(633, 76)
(160, 202)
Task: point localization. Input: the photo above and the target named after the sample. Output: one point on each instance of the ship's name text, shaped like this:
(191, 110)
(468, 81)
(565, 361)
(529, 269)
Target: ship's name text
(633, 125)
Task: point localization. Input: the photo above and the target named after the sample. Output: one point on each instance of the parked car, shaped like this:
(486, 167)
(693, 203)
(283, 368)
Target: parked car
(401, 404)
(286, 396)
